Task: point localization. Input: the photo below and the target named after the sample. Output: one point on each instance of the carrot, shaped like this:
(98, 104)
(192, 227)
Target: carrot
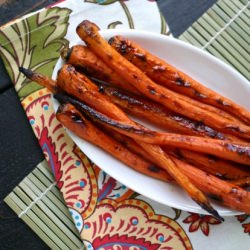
(243, 182)
(211, 164)
(216, 166)
(238, 152)
(164, 161)
(72, 119)
(227, 150)
(82, 57)
(224, 192)
(167, 75)
(43, 80)
(157, 114)
(80, 86)
(88, 32)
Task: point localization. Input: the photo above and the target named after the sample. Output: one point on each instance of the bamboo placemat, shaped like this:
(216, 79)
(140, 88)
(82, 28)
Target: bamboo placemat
(39, 203)
(223, 32)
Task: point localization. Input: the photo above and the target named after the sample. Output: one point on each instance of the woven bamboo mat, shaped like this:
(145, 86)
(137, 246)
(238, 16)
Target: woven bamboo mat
(39, 203)
(224, 32)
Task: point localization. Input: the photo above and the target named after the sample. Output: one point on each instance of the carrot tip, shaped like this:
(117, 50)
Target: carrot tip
(27, 72)
(212, 211)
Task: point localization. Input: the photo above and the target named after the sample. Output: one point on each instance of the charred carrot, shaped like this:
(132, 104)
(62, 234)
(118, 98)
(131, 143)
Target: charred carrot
(78, 124)
(82, 57)
(163, 160)
(41, 79)
(238, 152)
(167, 75)
(160, 115)
(222, 191)
(88, 32)
(211, 164)
(243, 182)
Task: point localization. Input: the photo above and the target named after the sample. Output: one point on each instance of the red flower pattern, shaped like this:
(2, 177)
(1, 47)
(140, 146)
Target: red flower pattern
(200, 221)
(246, 226)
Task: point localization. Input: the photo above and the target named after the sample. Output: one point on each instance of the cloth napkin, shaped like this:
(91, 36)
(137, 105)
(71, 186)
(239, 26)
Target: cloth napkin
(107, 214)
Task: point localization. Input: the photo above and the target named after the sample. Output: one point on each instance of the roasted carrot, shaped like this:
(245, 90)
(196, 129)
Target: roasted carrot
(82, 57)
(167, 75)
(243, 182)
(211, 164)
(227, 150)
(88, 32)
(80, 86)
(43, 80)
(224, 192)
(157, 114)
(238, 152)
(163, 160)
(72, 119)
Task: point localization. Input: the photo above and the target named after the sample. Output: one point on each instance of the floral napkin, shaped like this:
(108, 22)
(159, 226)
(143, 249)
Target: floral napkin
(107, 214)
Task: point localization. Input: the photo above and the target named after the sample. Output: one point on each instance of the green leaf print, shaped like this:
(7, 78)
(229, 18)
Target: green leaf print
(102, 2)
(114, 24)
(34, 43)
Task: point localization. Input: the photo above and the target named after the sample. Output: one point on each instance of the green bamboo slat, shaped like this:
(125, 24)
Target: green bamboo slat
(214, 31)
(53, 216)
(59, 208)
(237, 6)
(42, 182)
(231, 13)
(222, 45)
(237, 28)
(192, 33)
(11, 203)
(34, 201)
(190, 39)
(230, 31)
(44, 168)
(225, 53)
(39, 223)
(53, 229)
(231, 37)
(46, 182)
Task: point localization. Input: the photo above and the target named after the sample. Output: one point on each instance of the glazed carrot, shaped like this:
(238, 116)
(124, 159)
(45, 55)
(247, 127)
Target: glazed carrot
(43, 80)
(88, 32)
(217, 189)
(80, 86)
(78, 124)
(157, 114)
(210, 164)
(81, 56)
(224, 192)
(243, 182)
(167, 75)
(216, 166)
(227, 150)
(163, 160)
(238, 152)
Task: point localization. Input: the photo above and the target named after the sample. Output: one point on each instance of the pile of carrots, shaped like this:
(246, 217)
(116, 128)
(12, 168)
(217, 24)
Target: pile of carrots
(205, 144)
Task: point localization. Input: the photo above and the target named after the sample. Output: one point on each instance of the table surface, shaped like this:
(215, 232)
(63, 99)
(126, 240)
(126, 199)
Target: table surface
(19, 149)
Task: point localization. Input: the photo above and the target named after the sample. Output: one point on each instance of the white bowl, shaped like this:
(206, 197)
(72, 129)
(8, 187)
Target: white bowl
(199, 65)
